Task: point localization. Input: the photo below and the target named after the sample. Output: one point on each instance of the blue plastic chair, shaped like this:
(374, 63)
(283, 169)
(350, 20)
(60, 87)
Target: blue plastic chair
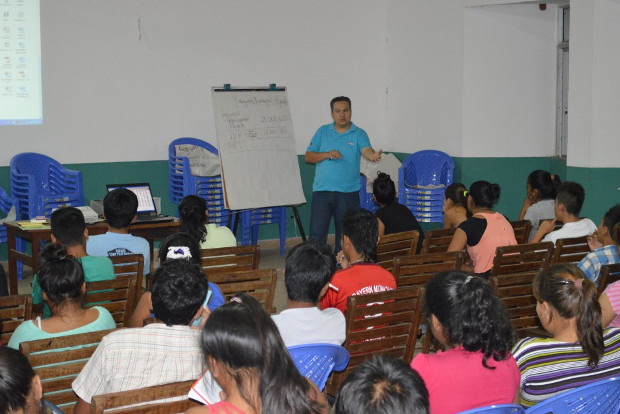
(183, 183)
(317, 361)
(425, 168)
(366, 200)
(40, 184)
(6, 203)
(601, 397)
(251, 219)
(496, 409)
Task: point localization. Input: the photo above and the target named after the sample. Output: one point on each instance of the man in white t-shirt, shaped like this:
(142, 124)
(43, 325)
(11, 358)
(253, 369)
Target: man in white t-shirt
(308, 269)
(567, 208)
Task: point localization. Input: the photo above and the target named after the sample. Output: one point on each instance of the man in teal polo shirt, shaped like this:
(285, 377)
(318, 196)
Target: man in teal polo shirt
(336, 149)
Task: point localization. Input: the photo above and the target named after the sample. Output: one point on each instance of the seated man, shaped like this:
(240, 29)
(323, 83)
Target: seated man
(119, 209)
(568, 205)
(359, 274)
(69, 229)
(308, 268)
(383, 385)
(604, 248)
(160, 353)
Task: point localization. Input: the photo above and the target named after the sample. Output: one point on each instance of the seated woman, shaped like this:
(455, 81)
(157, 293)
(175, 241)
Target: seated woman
(610, 306)
(247, 358)
(484, 231)
(579, 352)
(477, 368)
(539, 204)
(20, 389)
(176, 246)
(193, 214)
(62, 280)
(392, 216)
(455, 205)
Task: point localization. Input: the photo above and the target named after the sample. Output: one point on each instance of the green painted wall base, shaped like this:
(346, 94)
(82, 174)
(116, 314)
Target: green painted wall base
(510, 173)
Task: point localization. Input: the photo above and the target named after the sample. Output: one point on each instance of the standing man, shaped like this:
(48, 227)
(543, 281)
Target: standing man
(336, 149)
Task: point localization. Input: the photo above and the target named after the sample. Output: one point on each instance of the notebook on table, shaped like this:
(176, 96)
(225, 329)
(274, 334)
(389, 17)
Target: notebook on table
(147, 213)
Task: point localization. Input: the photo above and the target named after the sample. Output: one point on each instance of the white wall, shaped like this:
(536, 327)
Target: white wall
(593, 138)
(112, 96)
(425, 75)
(509, 81)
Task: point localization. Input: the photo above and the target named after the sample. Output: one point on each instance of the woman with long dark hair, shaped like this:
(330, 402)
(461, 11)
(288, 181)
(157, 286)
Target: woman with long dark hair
(62, 280)
(193, 214)
(539, 203)
(247, 358)
(477, 368)
(579, 351)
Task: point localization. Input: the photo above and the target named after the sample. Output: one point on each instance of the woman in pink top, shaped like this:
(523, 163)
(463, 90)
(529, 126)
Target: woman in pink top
(610, 305)
(477, 368)
(485, 230)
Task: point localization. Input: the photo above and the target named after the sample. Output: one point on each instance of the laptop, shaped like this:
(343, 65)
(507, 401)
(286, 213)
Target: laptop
(147, 213)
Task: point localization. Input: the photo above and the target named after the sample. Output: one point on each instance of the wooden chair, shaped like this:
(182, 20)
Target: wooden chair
(415, 271)
(522, 229)
(58, 361)
(132, 264)
(512, 274)
(609, 274)
(522, 258)
(149, 400)
(383, 323)
(261, 284)
(13, 311)
(570, 250)
(116, 295)
(395, 245)
(437, 241)
(230, 259)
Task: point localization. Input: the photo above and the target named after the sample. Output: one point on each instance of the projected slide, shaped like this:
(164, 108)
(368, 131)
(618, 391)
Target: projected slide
(21, 100)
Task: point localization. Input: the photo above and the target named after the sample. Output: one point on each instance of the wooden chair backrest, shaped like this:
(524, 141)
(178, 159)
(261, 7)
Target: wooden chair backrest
(515, 291)
(58, 361)
(570, 250)
(261, 284)
(131, 264)
(116, 295)
(437, 241)
(522, 229)
(609, 274)
(148, 400)
(414, 271)
(397, 244)
(13, 311)
(230, 259)
(383, 323)
(522, 258)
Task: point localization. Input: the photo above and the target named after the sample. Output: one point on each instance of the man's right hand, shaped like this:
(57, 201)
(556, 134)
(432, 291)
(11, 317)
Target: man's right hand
(334, 155)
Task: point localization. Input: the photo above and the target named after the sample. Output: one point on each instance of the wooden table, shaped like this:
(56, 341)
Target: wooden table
(150, 232)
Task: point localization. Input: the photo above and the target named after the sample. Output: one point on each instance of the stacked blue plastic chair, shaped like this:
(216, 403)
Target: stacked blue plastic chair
(425, 168)
(6, 203)
(601, 397)
(496, 409)
(183, 183)
(366, 200)
(317, 361)
(251, 219)
(40, 184)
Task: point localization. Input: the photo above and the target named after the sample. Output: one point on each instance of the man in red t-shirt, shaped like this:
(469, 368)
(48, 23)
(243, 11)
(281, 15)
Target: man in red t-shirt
(359, 274)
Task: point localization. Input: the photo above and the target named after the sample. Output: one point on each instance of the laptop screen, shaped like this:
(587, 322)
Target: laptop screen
(142, 191)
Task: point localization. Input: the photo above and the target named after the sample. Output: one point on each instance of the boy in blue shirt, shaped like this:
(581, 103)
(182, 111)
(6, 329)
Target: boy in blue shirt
(119, 208)
(604, 249)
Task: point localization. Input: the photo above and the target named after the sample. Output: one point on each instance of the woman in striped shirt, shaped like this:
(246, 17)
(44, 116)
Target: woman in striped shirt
(579, 352)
